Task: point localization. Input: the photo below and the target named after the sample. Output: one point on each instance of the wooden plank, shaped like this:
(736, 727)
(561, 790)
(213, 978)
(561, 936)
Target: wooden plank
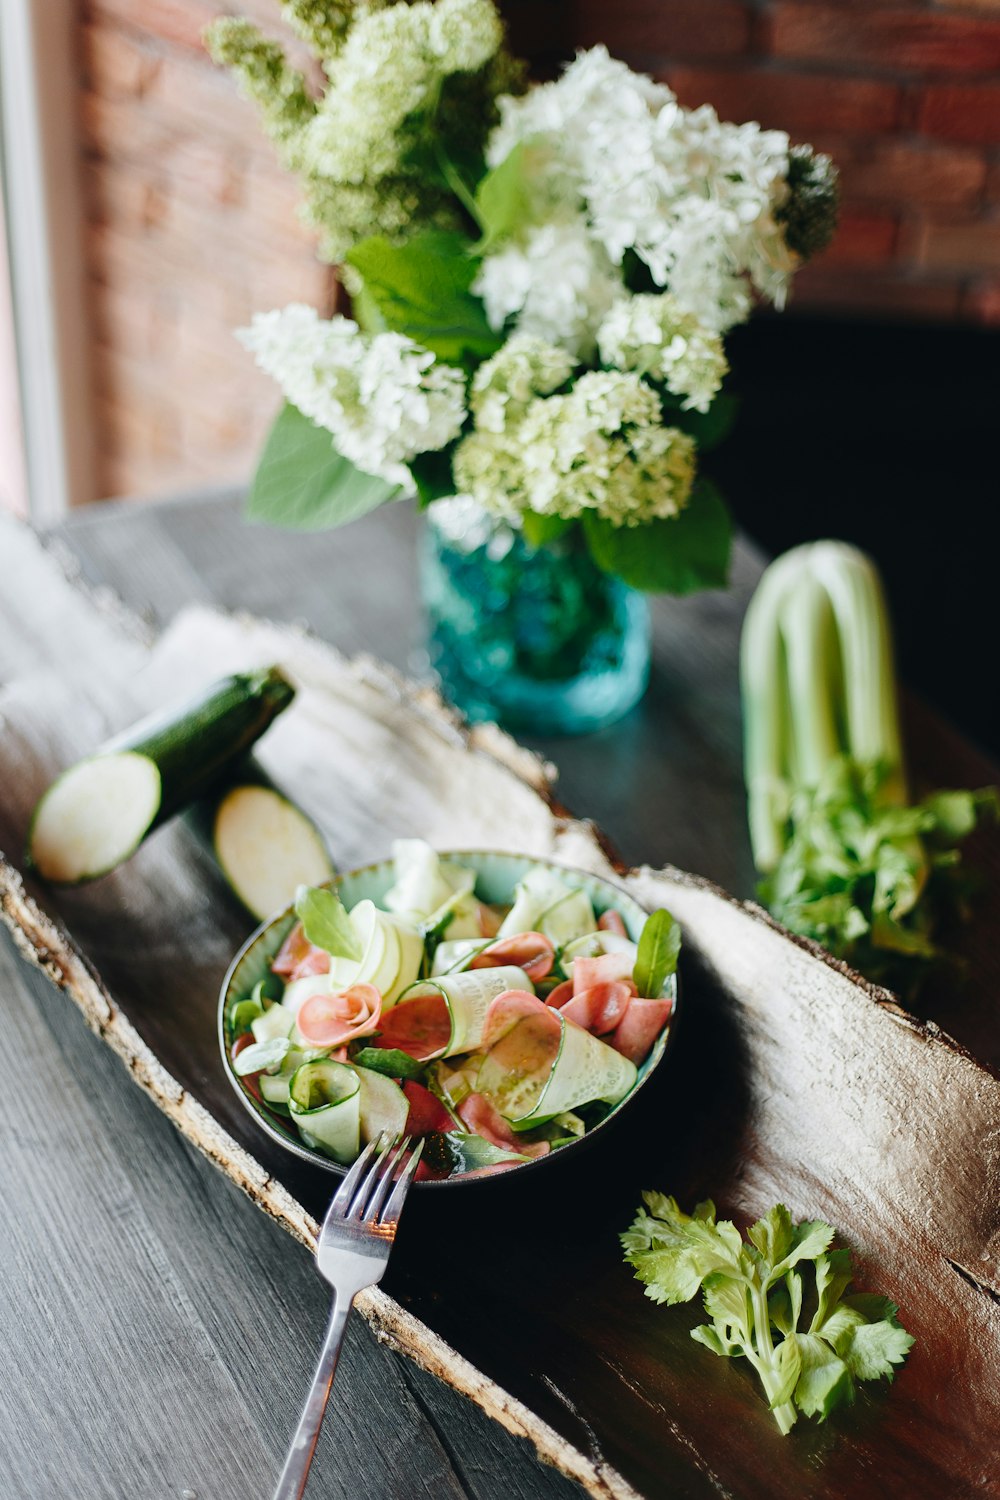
(800, 1083)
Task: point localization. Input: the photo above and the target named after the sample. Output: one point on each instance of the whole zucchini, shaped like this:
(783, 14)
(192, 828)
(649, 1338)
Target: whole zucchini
(97, 813)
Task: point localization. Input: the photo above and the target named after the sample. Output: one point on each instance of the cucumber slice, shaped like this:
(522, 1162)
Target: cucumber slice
(324, 1100)
(468, 997)
(572, 916)
(534, 1071)
(540, 891)
(97, 813)
(266, 847)
(274, 1087)
(454, 955)
(372, 937)
(593, 944)
(384, 1106)
(424, 887)
(411, 957)
(276, 1022)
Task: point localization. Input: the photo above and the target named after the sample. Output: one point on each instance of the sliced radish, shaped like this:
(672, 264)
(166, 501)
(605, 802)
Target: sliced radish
(333, 1019)
(562, 992)
(639, 1028)
(599, 1009)
(298, 957)
(531, 951)
(609, 968)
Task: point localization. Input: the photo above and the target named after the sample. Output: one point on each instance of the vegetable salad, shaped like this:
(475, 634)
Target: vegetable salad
(498, 1034)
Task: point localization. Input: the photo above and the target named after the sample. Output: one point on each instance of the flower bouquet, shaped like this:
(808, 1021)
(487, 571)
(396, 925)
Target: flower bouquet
(541, 280)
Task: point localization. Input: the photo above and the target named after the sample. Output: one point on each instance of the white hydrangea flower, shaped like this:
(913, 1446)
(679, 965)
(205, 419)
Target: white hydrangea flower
(503, 387)
(464, 34)
(652, 335)
(384, 398)
(602, 447)
(693, 197)
(555, 280)
(391, 67)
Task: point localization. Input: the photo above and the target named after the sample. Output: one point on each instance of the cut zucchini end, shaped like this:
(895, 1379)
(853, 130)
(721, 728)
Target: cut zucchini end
(93, 817)
(267, 848)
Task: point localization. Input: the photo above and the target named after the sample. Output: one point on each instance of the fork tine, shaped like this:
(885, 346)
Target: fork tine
(378, 1197)
(345, 1192)
(381, 1169)
(394, 1207)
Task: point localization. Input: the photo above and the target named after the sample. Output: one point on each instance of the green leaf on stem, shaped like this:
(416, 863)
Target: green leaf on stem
(304, 484)
(423, 289)
(539, 530)
(503, 198)
(675, 556)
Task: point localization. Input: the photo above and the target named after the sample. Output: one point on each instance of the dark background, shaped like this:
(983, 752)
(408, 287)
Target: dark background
(886, 436)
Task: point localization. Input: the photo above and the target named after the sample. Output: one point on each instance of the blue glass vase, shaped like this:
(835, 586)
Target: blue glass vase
(538, 639)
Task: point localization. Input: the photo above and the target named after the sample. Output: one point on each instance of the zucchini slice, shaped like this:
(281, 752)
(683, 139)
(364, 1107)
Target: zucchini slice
(97, 813)
(265, 846)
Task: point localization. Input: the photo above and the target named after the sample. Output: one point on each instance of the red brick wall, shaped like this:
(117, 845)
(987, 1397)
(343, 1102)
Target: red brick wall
(905, 96)
(192, 225)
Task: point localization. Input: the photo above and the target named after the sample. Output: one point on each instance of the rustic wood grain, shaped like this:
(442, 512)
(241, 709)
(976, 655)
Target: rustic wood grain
(817, 1091)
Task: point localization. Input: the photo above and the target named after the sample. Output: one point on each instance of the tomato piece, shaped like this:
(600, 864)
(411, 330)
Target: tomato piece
(421, 1027)
(427, 1113)
(249, 1080)
(612, 921)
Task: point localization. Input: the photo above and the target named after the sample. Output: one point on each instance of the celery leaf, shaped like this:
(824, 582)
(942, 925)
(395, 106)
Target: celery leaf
(779, 1299)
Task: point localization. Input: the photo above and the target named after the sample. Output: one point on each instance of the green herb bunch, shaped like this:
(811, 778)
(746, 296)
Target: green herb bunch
(872, 882)
(779, 1299)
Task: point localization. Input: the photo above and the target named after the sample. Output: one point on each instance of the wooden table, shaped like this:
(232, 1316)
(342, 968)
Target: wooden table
(169, 1359)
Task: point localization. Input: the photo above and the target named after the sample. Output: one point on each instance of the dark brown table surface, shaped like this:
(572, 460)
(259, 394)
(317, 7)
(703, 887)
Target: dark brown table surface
(174, 1400)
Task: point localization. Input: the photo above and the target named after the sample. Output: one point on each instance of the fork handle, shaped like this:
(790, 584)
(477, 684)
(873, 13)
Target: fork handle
(291, 1485)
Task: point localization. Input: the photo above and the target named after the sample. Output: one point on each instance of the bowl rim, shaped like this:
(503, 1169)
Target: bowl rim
(305, 1153)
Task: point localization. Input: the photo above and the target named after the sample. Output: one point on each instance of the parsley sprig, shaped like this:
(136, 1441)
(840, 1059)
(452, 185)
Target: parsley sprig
(779, 1299)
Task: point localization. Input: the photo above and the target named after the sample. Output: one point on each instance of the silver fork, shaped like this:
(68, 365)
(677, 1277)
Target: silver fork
(352, 1254)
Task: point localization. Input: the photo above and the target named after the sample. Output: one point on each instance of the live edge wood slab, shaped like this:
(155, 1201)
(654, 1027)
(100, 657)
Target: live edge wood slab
(790, 1079)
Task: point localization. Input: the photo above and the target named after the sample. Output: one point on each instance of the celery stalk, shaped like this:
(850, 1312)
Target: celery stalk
(844, 858)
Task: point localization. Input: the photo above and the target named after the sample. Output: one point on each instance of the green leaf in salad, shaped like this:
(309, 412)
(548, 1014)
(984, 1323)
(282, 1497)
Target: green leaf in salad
(390, 1061)
(326, 923)
(659, 948)
(779, 1298)
(242, 1013)
(262, 1057)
